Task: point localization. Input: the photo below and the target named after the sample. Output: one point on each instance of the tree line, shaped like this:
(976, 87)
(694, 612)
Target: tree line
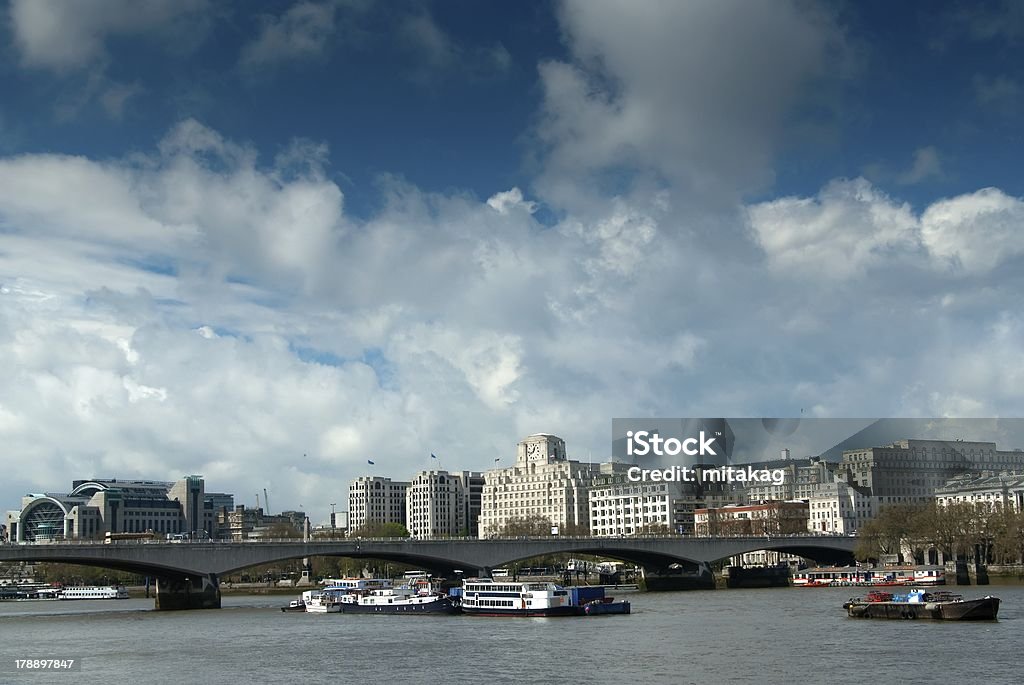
(986, 532)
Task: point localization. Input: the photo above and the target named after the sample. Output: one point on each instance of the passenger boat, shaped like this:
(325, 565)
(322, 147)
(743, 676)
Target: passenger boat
(487, 597)
(401, 600)
(29, 592)
(866, 576)
(94, 592)
(939, 606)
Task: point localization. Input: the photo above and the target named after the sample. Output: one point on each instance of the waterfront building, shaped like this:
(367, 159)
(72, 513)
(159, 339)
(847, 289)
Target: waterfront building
(96, 507)
(374, 499)
(769, 518)
(443, 504)
(839, 508)
(244, 523)
(544, 482)
(1004, 489)
(619, 506)
(910, 471)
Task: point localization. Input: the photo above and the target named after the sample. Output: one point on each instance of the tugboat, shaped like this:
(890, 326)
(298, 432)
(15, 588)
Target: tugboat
(939, 606)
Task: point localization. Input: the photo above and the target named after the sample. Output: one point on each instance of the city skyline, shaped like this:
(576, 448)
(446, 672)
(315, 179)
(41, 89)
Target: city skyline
(270, 242)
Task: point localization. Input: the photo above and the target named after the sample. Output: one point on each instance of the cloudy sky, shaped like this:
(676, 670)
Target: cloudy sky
(266, 242)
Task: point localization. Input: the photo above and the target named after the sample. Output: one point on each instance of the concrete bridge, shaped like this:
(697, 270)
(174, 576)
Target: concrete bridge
(188, 572)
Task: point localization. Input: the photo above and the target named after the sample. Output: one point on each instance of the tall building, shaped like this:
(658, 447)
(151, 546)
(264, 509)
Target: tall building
(96, 507)
(909, 471)
(543, 483)
(373, 499)
(443, 504)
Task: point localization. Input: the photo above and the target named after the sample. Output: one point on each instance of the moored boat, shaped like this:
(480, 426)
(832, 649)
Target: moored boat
(488, 597)
(94, 592)
(867, 576)
(402, 600)
(919, 604)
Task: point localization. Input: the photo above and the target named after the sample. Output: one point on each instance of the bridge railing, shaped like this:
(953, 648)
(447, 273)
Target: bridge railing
(520, 538)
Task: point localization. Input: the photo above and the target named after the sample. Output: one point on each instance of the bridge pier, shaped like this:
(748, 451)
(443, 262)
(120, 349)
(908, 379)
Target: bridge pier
(188, 592)
(677, 577)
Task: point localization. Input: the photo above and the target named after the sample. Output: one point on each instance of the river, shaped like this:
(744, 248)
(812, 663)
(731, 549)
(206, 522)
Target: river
(784, 635)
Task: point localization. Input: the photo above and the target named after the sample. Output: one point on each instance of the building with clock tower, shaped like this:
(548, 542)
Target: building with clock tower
(543, 483)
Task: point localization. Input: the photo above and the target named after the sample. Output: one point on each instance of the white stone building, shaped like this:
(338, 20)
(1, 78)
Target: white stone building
(993, 489)
(838, 508)
(374, 499)
(543, 482)
(443, 504)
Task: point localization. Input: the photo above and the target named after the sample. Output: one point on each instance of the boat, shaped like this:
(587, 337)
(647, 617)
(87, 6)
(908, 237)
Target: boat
(607, 605)
(400, 600)
(488, 597)
(94, 592)
(939, 606)
(868, 576)
(295, 605)
(323, 603)
(27, 592)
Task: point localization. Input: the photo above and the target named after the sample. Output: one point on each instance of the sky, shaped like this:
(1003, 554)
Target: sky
(269, 242)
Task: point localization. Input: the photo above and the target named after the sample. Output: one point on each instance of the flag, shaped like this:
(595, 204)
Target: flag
(433, 456)
(497, 460)
(368, 461)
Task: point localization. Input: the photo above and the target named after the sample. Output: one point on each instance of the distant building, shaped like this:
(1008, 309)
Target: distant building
(544, 482)
(373, 499)
(993, 489)
(910, 471)
(443, 504)
(242, 523)
(839, 508)
(96, 507)
(800, 479)
(619, 506)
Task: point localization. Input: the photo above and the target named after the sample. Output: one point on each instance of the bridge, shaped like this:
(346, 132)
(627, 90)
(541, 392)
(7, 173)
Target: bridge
(188, 573)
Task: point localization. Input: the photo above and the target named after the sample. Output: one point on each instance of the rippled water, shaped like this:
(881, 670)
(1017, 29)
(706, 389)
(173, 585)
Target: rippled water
(724, 636)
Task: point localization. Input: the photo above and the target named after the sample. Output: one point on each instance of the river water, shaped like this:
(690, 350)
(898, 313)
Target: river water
(784, 635)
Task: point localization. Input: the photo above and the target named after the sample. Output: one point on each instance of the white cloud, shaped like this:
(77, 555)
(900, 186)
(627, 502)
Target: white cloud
(195, 310)
(697, 92)
(302, 32)
(848, 228)
(977, 231)
(64, 36)
(926, 165)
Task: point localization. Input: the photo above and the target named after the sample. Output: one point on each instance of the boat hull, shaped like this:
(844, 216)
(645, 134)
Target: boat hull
(599, 608)
(549, 611)
(984, 609)
(442, 606)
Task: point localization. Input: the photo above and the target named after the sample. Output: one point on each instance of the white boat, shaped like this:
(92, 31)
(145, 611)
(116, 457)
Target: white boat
(867, 576)
(323, 603)
(403, 600)
(94, 592)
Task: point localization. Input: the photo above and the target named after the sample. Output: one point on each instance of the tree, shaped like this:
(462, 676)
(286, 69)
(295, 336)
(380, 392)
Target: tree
(534, 525)
(376, 529)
